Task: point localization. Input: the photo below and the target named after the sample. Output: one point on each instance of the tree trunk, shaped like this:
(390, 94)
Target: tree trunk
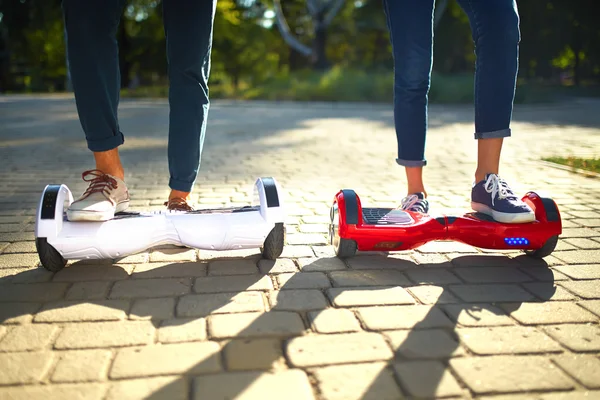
(320, 46)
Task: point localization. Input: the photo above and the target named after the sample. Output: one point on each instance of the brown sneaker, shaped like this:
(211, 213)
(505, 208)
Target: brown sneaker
(105, 196)
(178, 204)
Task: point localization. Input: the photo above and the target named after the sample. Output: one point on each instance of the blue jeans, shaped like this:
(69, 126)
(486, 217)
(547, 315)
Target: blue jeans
(495, 31)
(91, 27)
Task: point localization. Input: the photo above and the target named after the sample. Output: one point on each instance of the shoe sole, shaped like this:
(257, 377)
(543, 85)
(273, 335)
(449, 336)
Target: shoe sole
(96, 216)
(506, 218)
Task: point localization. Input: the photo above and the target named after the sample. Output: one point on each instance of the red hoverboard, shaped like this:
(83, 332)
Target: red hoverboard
(353, 228)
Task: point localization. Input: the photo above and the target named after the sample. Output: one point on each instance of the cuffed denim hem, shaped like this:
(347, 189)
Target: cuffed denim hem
(106, 144)
(411, 163)
(494, 134)
(181, 185)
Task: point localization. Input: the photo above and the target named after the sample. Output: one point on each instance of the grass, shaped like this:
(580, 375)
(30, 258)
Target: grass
(587, 164)
(342, 84)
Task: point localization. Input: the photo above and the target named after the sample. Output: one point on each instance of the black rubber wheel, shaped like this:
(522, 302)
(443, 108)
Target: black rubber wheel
(49, 256)
(545, 250)
(273, 246)
(344, 248)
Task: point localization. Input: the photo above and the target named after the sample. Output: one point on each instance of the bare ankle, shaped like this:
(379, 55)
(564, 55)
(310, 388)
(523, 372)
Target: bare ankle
(179, 194)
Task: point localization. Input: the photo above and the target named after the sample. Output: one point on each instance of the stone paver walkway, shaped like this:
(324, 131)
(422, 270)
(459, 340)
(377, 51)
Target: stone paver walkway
(447, 320)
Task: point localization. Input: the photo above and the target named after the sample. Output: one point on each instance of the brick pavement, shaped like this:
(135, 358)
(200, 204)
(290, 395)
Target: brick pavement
(447, 320)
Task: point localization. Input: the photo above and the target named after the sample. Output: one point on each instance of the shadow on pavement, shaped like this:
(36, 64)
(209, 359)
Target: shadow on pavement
(420, 353)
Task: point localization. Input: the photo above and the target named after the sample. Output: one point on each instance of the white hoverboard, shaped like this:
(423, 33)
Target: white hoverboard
(257, 226)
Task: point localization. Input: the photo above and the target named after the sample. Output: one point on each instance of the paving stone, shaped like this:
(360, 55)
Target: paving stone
(429, 294)
(548, 313)
(582, 243)
(173, 255)
(303, 280)
(169, 270)
(323, 264)
(81, 366)
(306, 238)
(584, 368)
(21, 247)
(253, 385)
(342, 348)
(424, 344)
(25, 367)
(180, 358)
(18, 260)
(369, 278)
(590, 271)
(403, 317)
(488, 262)
(324, 251)
(507, 340)
(578, 337)
(490, 293)
(333, 321)
(578, 257)
(160, 287)
(253, 354)
(74, 311)
(153, 309)
(379, 262)
(477, 315)
(202, 305)
(279, 266)
(577, 233)
(491, 275)
(544, 274)
(88, 391)
(25, 275)
(370, 296)
(590, 305)
(446, 247)
(232, 267)
(292, 251)
(548, 292)
(182, 330)
(503, 374)
(105, 334)
(297, 300)
(171, 388)
(216, 284)
(140, 258)
(431, 276)
(33, 292)
(28, 337)
(427, 379)
(431, 260)
(368, 381)
(273, 323)
(93, 290)
(17, 313)
(585, 289)
(100, 272)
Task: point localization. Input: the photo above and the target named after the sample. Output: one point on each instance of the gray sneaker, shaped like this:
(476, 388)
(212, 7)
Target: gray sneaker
(415, 202)
(105, 196)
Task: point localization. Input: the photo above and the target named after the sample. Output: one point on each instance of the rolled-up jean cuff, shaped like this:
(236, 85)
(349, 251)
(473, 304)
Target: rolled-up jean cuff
(109, 143)
(494, 134)
(181, 185)
(411, 163)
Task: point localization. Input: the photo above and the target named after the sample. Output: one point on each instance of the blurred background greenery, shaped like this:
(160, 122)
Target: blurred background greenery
(331, 50)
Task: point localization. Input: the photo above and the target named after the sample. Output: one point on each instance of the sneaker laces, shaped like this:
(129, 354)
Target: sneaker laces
(99, 183)
(413, 203)
(497, 187)
(178, 204)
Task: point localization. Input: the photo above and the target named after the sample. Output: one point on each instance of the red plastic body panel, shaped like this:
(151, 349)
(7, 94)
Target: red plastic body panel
(468, 229)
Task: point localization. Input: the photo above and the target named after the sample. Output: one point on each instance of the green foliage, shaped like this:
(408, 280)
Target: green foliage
(560, 45)
(587, 164)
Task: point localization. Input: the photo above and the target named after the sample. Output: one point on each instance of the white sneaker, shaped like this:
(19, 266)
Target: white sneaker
(105, 196)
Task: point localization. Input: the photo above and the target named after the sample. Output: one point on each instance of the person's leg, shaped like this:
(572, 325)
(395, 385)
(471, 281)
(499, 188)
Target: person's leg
(91, 27)
(495, 29)
(93, 64)
(189, 30)
(411, 33)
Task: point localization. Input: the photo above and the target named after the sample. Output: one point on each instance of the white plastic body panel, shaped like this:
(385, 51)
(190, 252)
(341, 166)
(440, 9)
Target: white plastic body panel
(122, 236)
